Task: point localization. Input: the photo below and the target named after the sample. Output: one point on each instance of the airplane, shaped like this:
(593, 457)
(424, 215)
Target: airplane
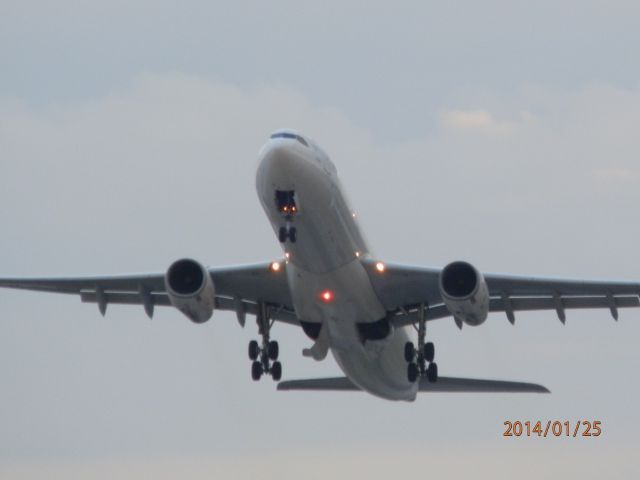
(346, 300)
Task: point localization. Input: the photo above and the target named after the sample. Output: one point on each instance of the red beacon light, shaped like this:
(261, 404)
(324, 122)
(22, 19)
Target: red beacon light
(326, 296)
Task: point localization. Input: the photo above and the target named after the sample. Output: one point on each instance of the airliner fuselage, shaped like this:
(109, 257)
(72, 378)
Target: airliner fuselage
(330, 289)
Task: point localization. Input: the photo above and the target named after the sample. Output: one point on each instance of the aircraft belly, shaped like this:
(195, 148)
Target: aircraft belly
(377, 366)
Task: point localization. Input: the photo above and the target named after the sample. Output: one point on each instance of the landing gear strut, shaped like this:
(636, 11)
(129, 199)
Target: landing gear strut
(265, 355)
(420, 360)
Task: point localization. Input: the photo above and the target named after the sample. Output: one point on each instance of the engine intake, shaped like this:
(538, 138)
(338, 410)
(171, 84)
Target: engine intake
(465, 292)
(191, 290)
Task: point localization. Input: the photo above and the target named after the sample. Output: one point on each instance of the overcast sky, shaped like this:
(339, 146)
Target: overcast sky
(502, 133)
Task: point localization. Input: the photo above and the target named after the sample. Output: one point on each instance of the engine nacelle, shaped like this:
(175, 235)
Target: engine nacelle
(465, 292)
(191, 290)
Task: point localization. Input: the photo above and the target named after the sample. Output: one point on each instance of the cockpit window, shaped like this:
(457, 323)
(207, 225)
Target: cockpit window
(292, 136)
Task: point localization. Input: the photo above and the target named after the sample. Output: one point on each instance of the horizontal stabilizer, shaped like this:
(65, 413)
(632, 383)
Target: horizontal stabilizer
(444, 384)
(335, 383)
(453, 384)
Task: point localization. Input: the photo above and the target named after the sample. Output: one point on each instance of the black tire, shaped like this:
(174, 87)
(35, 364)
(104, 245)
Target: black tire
(254, 350)
(432, 372)
(412, 372)
(293, 234)
(429, 352)
(273, 350)
(283, 234)
(276, 371)
(409, 352)
(256, 371)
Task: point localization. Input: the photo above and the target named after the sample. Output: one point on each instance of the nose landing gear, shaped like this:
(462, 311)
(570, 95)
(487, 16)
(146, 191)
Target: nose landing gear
(420, 360)
(265, 355)
(288, 208)
(287, 232)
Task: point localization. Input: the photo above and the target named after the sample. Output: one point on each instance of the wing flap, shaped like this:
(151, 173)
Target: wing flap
(522, 304)
(124, 298)
(549, 303)
(161, 299)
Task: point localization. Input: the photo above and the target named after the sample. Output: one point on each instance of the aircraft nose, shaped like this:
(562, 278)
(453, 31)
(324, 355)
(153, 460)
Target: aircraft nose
(277, 155)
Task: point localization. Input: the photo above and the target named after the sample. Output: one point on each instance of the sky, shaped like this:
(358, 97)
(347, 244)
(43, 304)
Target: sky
(501, 133)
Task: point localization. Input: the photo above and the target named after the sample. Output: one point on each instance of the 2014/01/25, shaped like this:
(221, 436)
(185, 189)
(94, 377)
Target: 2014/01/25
(583, 428)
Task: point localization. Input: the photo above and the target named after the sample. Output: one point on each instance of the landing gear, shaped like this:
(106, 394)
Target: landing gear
(287, 233)
(409, 352)
(420, 360)
(288, 208)
(412, 372)
(429, 352)
(256, 371)
(264, 354)
(273, 350)
(276, 371)
(432, 372)
(254, 350)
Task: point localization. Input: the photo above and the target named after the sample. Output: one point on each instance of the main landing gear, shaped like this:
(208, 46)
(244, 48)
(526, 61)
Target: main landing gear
(265, 355)
(420, 360)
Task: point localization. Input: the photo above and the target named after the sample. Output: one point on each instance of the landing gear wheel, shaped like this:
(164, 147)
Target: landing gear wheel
(432, 372)
(293, 234)
(283, 234)
(273, 350)
(254, 350)
(409, 352)
(429, 352)
(264, 354)
(256, 371)
(412, 372)
(276, 371)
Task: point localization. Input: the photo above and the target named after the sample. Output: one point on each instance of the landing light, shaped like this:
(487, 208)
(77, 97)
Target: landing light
(275, 267)
(326, 296)
(380, 267)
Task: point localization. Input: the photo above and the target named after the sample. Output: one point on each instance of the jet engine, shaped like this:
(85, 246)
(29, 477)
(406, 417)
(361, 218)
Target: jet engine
(191, 290)
(465, 293)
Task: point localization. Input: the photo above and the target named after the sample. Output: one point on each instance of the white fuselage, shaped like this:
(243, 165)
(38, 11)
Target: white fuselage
(326, 257)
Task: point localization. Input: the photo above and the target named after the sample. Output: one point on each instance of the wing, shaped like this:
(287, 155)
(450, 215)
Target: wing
(444, 384)
(402, 288)
(240, 289)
